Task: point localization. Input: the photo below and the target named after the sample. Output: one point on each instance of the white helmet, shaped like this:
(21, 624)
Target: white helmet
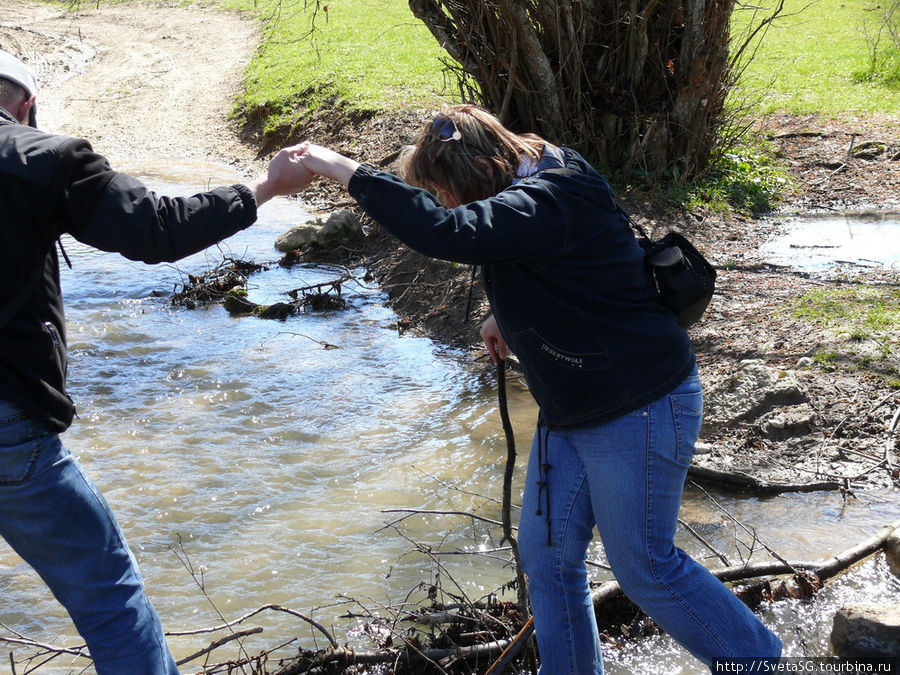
(16, 71)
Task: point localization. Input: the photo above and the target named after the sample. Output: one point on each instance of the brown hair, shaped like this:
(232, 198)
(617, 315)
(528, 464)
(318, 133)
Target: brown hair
(481, 163)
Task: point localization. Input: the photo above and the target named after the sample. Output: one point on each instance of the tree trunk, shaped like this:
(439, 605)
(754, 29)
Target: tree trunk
(636, 85)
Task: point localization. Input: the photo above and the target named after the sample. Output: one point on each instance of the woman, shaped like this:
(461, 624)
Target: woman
(613, 374)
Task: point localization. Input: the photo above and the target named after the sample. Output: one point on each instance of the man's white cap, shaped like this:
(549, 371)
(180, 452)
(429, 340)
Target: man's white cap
(13, 69)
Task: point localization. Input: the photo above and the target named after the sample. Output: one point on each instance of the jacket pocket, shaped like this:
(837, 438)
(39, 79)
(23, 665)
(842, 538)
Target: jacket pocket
(687, 415)
(538, 347)
(570, 387)
(57, 348)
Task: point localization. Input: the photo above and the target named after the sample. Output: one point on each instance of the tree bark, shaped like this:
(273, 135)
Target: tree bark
(635, 85)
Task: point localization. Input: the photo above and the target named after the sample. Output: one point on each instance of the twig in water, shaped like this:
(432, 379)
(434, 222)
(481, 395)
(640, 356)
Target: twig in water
(522, 587)
(456, 488)
(721, 556)
(325, 345)
(186, 562)
(227, 625)
(411, 512)
(749, 530)
(215, 644)
(52, 650)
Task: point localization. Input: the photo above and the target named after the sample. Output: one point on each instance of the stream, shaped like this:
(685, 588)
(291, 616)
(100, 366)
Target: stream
(248, 465)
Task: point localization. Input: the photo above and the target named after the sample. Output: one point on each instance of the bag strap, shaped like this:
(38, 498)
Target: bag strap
(12, 308)
(632, 222)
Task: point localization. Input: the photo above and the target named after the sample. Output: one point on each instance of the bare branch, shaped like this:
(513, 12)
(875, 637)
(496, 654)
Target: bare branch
(218, 643)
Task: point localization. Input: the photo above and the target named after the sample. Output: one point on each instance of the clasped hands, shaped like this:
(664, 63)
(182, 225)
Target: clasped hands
(294, 167)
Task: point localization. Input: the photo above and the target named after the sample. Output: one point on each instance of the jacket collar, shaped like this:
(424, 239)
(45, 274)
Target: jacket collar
(551, 158)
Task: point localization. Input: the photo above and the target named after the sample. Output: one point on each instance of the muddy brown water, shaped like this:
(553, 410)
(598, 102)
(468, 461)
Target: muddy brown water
(241, 456)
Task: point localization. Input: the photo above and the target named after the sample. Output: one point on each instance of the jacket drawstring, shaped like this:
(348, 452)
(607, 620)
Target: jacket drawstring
(63, 251)
(544, 466)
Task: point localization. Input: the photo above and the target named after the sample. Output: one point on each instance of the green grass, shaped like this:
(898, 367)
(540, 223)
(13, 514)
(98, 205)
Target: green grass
(856, 312)
(810, 61)
(866, 321)
(374, 54)
(744, 178)
(368, 54)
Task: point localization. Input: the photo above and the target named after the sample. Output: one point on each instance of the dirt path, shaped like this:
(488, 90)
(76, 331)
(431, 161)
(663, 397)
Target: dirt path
(139, 81)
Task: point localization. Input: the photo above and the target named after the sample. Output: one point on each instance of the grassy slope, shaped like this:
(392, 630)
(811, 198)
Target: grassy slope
(375, 54)
(370, 54)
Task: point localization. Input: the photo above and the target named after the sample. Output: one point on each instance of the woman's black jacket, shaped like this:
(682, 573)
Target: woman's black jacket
(565, 278)
(52, 185)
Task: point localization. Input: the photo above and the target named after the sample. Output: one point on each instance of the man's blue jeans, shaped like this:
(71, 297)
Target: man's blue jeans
(626, 477)
(53, 516)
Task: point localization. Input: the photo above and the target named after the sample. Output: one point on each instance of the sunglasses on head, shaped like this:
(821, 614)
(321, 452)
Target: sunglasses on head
(444, 129)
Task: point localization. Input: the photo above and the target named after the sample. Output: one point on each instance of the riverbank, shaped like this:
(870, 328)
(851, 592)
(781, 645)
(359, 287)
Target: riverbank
(160, 84)
(832, 422)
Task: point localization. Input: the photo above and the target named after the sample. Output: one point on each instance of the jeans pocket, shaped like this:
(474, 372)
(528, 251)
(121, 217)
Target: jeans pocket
(687, 415)
(18, 461)
(22, 441)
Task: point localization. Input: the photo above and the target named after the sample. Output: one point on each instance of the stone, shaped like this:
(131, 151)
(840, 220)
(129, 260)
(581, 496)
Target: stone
(892, 552)
(237, 305)
(867, 630)
(278, 310)
(702, 448)
(299, 236)
(340, 228)
(752, 391)
(786, 422)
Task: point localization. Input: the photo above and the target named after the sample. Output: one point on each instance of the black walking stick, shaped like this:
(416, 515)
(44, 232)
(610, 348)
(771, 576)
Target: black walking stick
(521, 639)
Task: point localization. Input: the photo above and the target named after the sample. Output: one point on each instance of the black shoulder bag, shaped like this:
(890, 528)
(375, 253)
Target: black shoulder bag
(683, 278)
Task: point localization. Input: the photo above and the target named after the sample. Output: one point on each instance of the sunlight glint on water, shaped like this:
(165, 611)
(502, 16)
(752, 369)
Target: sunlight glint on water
(814, 244)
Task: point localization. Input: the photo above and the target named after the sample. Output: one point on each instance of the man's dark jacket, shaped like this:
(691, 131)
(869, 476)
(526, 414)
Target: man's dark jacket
(565, 278)
(52, 185)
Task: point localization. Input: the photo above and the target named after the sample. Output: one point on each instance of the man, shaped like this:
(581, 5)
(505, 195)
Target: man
(50, 512)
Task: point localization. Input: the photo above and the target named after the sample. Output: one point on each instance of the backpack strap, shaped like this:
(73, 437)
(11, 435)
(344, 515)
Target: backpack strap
(12, 308)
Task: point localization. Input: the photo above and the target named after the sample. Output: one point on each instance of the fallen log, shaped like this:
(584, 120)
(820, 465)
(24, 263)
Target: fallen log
(738, 480)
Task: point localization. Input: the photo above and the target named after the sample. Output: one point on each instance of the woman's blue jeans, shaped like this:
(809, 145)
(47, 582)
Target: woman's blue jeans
(626, 477)
(55, 519)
